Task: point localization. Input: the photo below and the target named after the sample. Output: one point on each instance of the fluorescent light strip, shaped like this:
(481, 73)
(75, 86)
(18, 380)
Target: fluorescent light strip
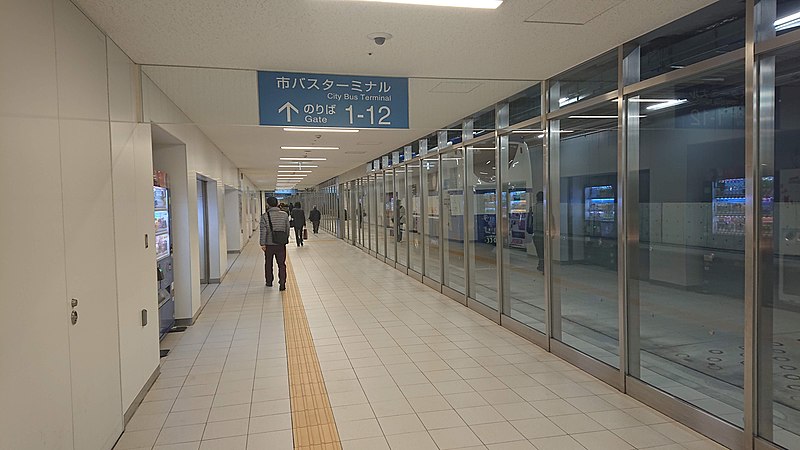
(666, 104)
(322, 130)
(309, 148)
(299, 166)
(526, 131)
(786, 22)
(295, 171)
(476, 4)
(303, 159)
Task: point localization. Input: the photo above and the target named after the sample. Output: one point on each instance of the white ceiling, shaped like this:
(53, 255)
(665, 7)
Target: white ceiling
(521, 40)
(224, 104)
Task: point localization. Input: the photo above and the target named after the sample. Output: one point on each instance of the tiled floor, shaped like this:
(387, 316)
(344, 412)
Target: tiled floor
(404, 368)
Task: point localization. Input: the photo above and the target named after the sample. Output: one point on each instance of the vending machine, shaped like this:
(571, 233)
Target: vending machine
(599, 215)
(163, 241)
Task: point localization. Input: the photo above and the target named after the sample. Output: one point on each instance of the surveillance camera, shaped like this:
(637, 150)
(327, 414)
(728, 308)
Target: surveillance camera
(379, 40)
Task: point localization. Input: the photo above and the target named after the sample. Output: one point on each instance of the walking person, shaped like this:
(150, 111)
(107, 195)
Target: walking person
(535, 226)
(298, 223)
(274, 237)
(315, 217)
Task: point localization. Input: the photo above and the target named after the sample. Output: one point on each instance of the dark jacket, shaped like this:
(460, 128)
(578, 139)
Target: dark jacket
(315, 215)
(280, 220)
(298, 218)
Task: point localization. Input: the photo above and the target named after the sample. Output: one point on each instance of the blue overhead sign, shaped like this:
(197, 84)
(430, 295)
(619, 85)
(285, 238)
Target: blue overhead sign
(318, 100)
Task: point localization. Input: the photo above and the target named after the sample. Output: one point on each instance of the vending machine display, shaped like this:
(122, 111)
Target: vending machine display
(728, 203)
(518, 218)
(164, 270)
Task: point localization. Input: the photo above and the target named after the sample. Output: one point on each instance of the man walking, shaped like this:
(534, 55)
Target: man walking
(274, 237)
(315, 216)
(298, 223)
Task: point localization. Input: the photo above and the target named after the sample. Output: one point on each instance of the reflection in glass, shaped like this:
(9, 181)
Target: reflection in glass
(584, 256)
(453, 220)
(525, 105)
(523, 205)
(380, 212)
(430, 171)
(779, 259)
(401, 215)
(415, 217)
(690, 271)
(373, 231)
(482, 228)
(588, 80)
(388, 214)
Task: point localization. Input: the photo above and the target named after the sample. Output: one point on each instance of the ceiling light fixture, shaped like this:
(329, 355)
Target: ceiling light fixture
(526, 131)
(564, 101)
(666, 104)
(323, 130)
(302, 158)
(298, 166)
(786, 22)
(309, 148)
(295, 171)
(476, 4)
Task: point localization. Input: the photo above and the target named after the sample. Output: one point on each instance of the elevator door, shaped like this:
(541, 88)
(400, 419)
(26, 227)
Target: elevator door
(202, 230)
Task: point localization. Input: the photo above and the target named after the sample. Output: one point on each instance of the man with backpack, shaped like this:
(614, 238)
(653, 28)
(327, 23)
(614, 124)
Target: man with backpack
(315, 216)
(274, 237)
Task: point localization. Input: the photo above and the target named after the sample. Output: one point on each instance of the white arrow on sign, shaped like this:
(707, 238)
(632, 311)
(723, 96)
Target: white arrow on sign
(288, 107)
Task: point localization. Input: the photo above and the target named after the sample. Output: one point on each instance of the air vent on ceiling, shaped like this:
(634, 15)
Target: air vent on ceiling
(571, 12)
(455, 87)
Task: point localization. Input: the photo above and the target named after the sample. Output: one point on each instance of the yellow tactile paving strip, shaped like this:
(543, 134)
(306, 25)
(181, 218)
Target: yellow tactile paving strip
(313, 424)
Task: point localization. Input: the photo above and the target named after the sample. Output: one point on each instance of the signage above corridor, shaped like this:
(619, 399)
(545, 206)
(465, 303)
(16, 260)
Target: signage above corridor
(319, 100)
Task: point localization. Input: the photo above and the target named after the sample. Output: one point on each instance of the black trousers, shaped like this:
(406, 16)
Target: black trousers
(316, 226)
(277, 252)
(298, 235)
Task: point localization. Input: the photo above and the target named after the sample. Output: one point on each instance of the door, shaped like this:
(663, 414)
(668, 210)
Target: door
(202, 230)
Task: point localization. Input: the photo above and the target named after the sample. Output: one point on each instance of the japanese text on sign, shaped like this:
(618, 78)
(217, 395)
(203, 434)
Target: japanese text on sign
(332, 100)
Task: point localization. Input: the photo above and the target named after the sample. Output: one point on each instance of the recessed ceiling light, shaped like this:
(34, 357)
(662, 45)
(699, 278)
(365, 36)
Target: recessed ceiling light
(299, 166)
(303, 159)
(323, 130)
(295, 171)
(309, 148)
(479, 4)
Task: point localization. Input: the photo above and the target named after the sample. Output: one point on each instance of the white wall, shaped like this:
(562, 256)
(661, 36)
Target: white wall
(132, 169)
(69, 149)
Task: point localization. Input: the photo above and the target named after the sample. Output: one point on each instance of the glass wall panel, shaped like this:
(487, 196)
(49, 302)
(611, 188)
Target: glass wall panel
(525, 105)
(690, 271)
(401, 215)
(482, 228)
(363, 218)
(523, 205)
(584, 254)
(777, 17)
(380, 210)
(588, 80)
(709, 32)
(430, 171)
(373, 229)
(779, 259)
(483, 122)
(388, 214)
(415, 218)
(453, 219)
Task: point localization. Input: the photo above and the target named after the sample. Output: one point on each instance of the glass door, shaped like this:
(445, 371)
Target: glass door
(452, 169)
(482, 222)
(585, 294)
(415, 217)
(388, 215)
(380, 213)
(401, 215)
(430, 171)
(523, 206)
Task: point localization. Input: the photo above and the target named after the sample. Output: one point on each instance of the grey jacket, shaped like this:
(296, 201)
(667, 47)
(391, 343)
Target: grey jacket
(280, 220)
